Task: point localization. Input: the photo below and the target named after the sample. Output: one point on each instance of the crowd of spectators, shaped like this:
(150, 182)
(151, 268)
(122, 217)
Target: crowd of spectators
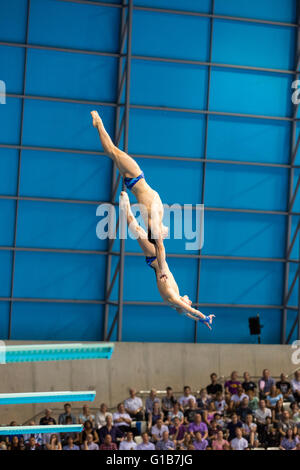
(240, 415)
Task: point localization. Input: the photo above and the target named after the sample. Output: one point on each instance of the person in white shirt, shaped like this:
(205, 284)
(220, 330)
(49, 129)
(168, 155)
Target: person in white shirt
(295, 383)
(38, 436)
(128, 443)
(134, 406)
(239, 443)
(100, 419)
(158, 429)
(262, 412)
(122, 419)
(184, 400)
(86, 415)
(239, 395)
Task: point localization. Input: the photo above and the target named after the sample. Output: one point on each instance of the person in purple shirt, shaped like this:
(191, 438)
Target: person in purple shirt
(198, 425)
(109, 428)
(145, 445)
(199, 443)
(232, 384)
(165, 443)
(177, 431)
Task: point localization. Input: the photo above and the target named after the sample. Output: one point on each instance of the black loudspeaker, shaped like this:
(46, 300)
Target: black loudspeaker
(254, 325)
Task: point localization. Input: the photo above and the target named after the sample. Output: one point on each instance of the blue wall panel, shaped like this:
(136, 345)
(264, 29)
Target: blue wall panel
(257, 45)
(172, 134)
(13, 21)
(275, 10)
(250, 140)
(57, 322)
(65, 175)
(50, 73)
(166, 39)
(87, 26)
(57, 275)
(12, 65)
(8, 171)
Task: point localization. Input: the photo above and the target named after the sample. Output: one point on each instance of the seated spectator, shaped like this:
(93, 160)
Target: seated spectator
(274, 396)
(114, 431)
(177, 431)
(157, 430)
(121, 419)
(190, 411)
(238, 396)
(187, 442)
(15, 443)
(210, 412)
(64, 436)
(3, 446)
(271, 437)
(295, 413)
(54, 443)
(62, 417)
(239, 442)
(220, 403)
(86, 415)
(70, 444)
(32, 444)
(286, 424)
(88, 430)
(214, 386)
(213, 430)
(277, 412)
(250, 431)
(219, 421)
(288, 442)
(253, 400)
(203, 402)
(198, 425)
(232, 384)
(243, 409)
(134, 406)
(219, 442)
(199, 442)
(168, 402)
(47, 436)
(248, 384)
(165, 443)
(262, 413)
(89, 444)
(175, 413)
(146, 444)
(232, 426)
(285, 387)
(101, 415)
(108, 444)
(45, 419)
(38, 436)
(128, 443)
(150, 402)
(229, 403)
(184, 399)
(265, 383)
(295, 383)
(155, 415)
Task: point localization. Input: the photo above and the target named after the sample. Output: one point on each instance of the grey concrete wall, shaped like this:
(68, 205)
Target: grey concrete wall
(141, 365)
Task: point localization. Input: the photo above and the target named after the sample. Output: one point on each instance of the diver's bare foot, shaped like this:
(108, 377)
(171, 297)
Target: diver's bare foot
(96, 118)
